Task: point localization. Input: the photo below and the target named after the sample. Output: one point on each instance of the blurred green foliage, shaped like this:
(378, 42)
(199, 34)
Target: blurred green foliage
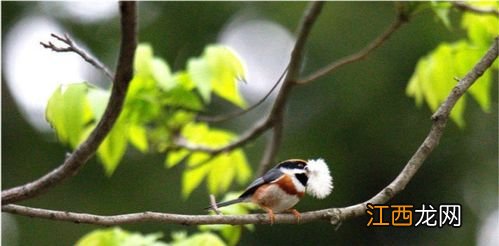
(160, 104)
(431, 81)
(119, 237)
(160, 107)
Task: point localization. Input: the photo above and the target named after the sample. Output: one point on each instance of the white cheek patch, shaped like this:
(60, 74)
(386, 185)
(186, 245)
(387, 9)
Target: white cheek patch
(298, 185)
(320, 182)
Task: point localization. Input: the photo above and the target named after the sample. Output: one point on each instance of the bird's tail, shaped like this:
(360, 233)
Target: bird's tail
(227, 203)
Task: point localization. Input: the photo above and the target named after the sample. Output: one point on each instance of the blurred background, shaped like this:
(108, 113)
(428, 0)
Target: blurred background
(358, 119)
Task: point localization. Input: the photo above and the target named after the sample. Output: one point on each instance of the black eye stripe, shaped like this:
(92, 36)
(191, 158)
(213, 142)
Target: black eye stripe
(302, 178)
(293, 164)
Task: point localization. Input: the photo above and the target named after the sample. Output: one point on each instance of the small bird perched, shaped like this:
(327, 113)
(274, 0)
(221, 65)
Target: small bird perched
(281, 187)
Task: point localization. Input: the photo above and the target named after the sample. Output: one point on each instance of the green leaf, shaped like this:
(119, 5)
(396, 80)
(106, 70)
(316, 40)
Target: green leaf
(119, 237)
(152, 72)
(141, 85)
(184, 99)
(180, 118)
(434, 76)
(468, 56)
(162, 74)
(441, 10)
(201, 134)
(200, 73)
(183, 79)
(138, 137)
(200, 239)
(192, 178)
(227, 70)
(68, 111)
(175, 157)
(143, 60)
(231, 233)
(217, 70)
(481, 28)
(226, 167)
(113, 147)
(98, 99)
(243, 170)
(197, 133)
(142, 103)
(219, 171)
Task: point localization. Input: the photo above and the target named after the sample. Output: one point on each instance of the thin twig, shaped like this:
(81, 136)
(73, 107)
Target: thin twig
(362, 54)
(275, 118)
(213, 203)
(271, 149)
(278, 107)
(254, 132)
(87, 149)
(334, 215)
(477, 10)
(72, 47)
(220, 118)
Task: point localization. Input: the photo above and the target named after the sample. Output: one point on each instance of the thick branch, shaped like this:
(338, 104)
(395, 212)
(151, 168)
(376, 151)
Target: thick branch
(276, 116)
(155, 217)
(72, 47)
(360, 55)
(292, 74)
(87, 149)
(439, 118)
(303, 33)
(334, 215)
(273, 144)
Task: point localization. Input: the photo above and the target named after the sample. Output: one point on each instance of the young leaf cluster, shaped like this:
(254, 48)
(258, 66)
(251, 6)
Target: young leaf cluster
(117, 236)
(433, 77)
(160, 108)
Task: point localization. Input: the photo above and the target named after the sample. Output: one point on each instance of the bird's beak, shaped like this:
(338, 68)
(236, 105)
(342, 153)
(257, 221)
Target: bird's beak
(306, 170)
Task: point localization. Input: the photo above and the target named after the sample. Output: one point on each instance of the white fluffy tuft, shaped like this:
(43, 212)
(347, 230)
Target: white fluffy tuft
(320, 182)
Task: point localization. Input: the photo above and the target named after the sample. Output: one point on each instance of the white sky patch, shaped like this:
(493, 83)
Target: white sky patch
(489, 229)
(33, 72)
(83, 11)
(264, 46)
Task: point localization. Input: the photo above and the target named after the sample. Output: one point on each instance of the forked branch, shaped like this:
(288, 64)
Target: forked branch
(72, 47)
(86, 150)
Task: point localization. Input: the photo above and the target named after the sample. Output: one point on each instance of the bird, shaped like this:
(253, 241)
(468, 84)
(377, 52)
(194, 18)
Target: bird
(282, 187)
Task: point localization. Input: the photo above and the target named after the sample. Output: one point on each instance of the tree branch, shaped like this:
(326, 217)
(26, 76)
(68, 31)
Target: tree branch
(439, 118)
(155, 217)
(276, 116)
(333, 215)
(231, 115)
(271, 148)
(483, 11)
(72, 47)
(360, 55)
(277, 110)
(87, 149)
(254, 132)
